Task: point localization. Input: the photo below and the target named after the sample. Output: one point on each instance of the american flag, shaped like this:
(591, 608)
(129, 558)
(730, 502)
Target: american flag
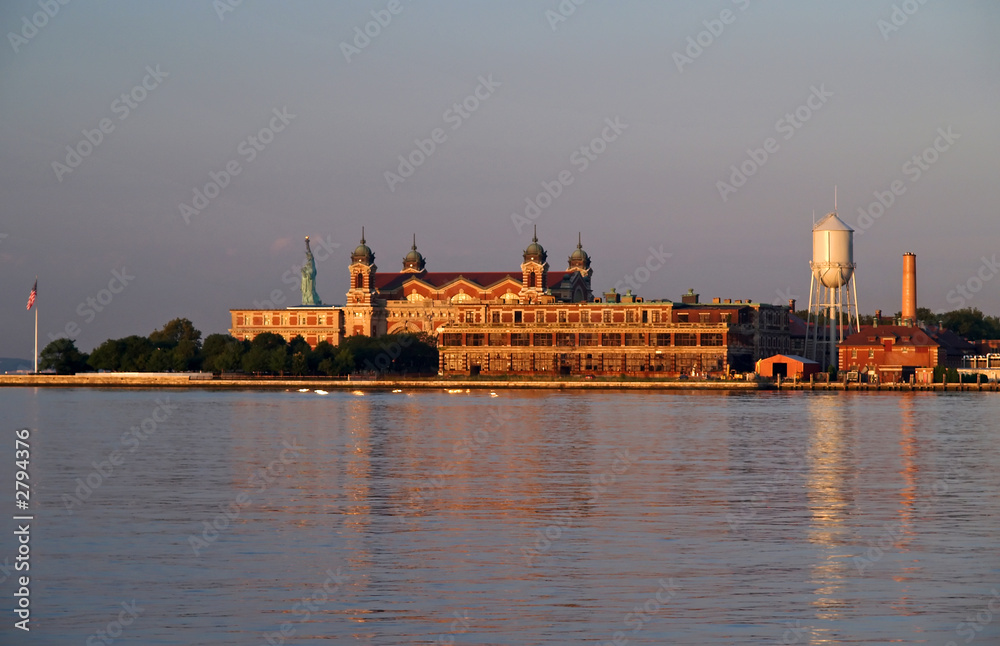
(31, 296)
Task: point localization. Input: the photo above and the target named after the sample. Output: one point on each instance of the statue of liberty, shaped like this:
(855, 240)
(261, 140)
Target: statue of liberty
(309, 295)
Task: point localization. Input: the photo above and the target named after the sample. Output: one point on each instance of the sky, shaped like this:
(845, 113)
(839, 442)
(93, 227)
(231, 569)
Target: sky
(702, 134)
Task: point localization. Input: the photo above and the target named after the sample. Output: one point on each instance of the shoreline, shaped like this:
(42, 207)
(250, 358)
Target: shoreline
(199, 382)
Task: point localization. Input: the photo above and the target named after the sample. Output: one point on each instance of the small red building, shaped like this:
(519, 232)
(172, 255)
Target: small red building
(787, 366)
(890, 353)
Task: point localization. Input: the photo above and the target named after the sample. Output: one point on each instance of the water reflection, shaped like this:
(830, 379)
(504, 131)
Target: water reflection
(756, 505)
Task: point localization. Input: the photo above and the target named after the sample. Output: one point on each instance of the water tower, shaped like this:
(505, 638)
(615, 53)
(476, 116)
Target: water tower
(833, 294)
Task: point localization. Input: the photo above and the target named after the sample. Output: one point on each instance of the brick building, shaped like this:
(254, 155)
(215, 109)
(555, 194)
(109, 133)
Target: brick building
(891, 353)
(535, 321)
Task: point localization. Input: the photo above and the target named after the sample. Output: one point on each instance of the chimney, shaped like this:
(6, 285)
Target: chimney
(909, 309)
(878, 317)
(690, 298)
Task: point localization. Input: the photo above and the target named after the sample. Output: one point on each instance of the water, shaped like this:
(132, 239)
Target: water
(525, 518)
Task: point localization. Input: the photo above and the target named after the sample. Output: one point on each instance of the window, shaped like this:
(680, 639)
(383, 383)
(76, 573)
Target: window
(645, 316)
(562, 316)
(495, 317)
(359, 281)
(519, 338)
(587, 339)
(611, 339)
(451, 339)
(711, 339)
(685, 339)
(520, 362)
(705, 317)
(498, 339)
(635, 338)
(606, 314)
(854, 353)
(475, 339)
(635, 363)
(565, 339)
(543, 340)
(656, 316)
(660, 338)
(629, 316)
(518, 316)
(682, 317)
(726, 317)
(871, 354)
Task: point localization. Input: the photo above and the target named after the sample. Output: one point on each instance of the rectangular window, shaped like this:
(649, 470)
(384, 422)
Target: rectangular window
(726, 317)
(635, 338)
(587, 339)
(682, 317)
(660, 338)
(871, 354)
(711, 339)
(562, 316)
(565, 339)
(635, 363)
(607, 316)
(451, 339)
(611, 339)
(518, 316)
(475, 339)
(498, 339)
(685, 339)
(656, 316)
(520, 362)
(543, 340)
(854, 353)
(705, 317)
(495, 317)
(629, 316)
(645, 316)
(519, 339)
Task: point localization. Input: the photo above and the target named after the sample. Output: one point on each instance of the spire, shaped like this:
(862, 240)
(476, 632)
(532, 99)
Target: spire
(362, 234)
(414, 262)
(579, 240)
(534, 236)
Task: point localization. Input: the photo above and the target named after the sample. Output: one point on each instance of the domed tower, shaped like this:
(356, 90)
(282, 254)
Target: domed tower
(534, 269)
(413, 262)
(363, 270)
(579, 261)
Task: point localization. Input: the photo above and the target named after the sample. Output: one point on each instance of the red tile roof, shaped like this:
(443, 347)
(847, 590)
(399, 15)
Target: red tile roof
(871, 336)
(439, 279)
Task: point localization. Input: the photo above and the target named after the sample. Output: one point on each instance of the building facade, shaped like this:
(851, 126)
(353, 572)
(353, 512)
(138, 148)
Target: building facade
(890, 353)
(535, 321)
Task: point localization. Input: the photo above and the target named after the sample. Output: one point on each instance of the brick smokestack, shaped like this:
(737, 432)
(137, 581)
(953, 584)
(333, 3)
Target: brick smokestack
(909, 309)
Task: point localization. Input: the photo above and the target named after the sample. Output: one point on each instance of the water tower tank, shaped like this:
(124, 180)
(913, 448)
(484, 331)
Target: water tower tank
(833, 251)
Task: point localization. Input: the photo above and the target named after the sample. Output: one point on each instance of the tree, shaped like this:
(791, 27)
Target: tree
(175, 331)
(971, 324)
(63, 356)
(130, 354)
(300, 365)
(221, 353)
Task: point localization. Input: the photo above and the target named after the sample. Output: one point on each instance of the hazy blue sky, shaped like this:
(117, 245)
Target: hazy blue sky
(885, 95)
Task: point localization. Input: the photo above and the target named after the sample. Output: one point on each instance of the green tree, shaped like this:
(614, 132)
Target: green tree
(63, 356)
(300, 365)
(221, 353)
(175, 331)
(971, 324)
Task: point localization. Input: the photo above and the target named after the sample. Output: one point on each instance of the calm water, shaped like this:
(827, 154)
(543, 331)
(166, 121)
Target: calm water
(525, 518)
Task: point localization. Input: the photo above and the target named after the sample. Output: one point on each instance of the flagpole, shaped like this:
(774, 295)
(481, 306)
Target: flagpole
(36, 340)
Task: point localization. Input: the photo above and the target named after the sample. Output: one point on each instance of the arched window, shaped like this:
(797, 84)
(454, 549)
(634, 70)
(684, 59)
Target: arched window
(531, 279)
(359, 281)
